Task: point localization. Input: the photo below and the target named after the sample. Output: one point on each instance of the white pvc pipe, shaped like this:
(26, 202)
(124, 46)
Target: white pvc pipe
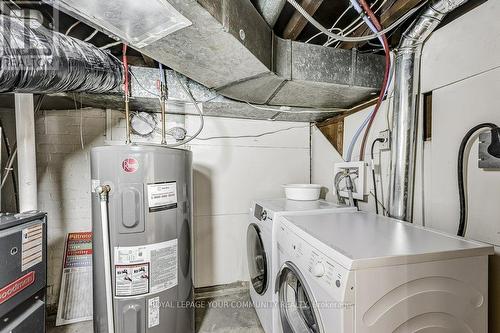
(26, 152)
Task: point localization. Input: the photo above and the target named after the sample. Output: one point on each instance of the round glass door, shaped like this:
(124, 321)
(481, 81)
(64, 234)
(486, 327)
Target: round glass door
(297, 311)
(257, 262)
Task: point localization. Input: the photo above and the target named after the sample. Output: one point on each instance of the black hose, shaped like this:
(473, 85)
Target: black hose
(461, 186)
(373, 173)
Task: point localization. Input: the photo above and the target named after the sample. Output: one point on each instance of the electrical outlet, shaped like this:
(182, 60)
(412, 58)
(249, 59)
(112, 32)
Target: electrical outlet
(358, 179)
(386, 135)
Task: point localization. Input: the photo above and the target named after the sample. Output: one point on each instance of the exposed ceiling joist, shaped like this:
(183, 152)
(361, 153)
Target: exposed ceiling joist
(389, 16)
(298, 22)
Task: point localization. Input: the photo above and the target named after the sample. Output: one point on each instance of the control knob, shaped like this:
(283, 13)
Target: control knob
(319, 269)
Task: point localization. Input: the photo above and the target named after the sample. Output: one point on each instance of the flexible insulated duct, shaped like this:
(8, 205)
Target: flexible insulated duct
(406, 96)
(37, 60)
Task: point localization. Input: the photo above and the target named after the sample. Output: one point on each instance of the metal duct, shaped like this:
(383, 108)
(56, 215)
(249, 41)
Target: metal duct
(406, 96)
(270, 10)
(144, 97)
(230, 48)
(37, 60)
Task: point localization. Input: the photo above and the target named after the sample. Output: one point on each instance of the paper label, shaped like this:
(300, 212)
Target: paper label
(161, 260)
(153, 312)
(162, 196)
(132, 280)
(32, 248)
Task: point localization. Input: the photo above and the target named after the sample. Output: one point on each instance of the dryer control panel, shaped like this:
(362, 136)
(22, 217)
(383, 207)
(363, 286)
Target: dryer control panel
(309, 259)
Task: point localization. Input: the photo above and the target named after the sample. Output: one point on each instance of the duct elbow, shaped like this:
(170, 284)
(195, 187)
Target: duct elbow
(431, 17)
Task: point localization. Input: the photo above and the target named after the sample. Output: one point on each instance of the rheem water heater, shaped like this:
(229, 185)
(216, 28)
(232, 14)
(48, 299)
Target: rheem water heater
(142, 222)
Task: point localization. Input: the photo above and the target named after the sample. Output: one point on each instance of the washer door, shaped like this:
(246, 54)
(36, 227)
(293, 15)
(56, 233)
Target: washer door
(298, 313)
(257, 260)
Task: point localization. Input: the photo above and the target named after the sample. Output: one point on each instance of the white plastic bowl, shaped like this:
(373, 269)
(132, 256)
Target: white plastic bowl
(302, 192)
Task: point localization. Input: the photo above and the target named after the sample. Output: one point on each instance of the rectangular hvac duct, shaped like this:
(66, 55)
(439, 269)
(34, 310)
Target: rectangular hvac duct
(140, 23)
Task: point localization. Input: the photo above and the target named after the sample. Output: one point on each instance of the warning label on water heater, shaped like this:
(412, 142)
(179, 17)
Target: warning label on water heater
(162, 196)
(145, 269)
(132, 280)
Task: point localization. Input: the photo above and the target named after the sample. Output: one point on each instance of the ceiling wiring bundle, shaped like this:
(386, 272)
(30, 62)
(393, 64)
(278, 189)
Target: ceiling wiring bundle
(342, 38)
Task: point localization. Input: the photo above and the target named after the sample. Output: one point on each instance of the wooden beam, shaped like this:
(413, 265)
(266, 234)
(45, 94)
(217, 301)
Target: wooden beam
(348, 112)
(298, 22)
(333, 128)
(334, 132)
(389, 16)
(148, 61)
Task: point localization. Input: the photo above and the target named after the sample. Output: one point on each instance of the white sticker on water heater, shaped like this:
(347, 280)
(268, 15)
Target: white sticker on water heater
(162, 196)
(153, 311)
(161, 261)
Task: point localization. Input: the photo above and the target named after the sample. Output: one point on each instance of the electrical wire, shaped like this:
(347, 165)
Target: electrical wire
(92, 35)
(282, 110)
(333, 27)
(462, 226)
(374, 179)
(107, 46)
(355, 25)
(200, 112)
(251, 135)
(72, 27)
(364, 19)
(315, 23)
(142, 86)
(380, 203)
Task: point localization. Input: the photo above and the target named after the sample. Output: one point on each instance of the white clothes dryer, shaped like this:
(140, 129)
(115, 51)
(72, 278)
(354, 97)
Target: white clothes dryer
(365, 273)
(262, 250)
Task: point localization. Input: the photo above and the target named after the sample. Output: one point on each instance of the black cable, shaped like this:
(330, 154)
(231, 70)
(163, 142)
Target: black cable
(461, 186)
(373, 173)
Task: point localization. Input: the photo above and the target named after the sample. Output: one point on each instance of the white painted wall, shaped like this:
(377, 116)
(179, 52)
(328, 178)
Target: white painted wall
(461, 65)
(228, 174)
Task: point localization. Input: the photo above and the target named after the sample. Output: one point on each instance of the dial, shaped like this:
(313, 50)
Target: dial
(319, 269)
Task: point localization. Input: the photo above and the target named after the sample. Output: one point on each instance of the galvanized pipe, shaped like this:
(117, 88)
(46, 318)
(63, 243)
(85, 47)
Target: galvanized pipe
(405, 101)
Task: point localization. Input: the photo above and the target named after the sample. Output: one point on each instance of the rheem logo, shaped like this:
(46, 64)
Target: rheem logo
(130, 165)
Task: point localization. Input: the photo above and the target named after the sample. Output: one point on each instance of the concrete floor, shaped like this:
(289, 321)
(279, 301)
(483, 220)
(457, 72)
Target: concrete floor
(228, 313)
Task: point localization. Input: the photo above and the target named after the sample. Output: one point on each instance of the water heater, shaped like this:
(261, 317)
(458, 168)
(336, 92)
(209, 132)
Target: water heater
(142, 222)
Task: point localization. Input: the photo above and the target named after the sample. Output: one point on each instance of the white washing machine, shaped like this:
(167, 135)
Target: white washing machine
(364, 273)
(262, 250)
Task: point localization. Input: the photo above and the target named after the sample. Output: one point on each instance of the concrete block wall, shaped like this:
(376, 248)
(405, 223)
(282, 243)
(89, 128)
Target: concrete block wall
(64, 139)
(228, 174)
